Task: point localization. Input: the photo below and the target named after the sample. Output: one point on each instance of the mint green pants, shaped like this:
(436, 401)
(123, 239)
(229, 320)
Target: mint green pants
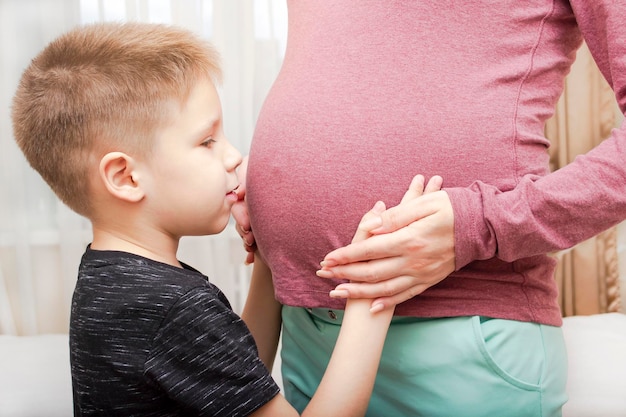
(452, 367)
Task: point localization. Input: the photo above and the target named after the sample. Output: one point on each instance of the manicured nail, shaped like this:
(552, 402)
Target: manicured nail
(339, 294)
(328, 263)
(324, 273)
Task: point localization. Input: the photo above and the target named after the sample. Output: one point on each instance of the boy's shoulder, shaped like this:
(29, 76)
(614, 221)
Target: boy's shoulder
(133, 267)
(133, 277)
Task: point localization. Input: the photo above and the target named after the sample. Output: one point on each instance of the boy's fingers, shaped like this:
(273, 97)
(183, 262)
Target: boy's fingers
(434, 184)
(369, 221)
(416, 188)
(404, 214)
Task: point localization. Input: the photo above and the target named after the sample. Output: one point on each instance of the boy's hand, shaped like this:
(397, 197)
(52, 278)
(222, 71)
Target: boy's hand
(410, 247)
(241, 216)
(372, 219)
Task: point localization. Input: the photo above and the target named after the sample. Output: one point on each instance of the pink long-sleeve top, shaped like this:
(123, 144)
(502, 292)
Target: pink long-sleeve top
(373, 92)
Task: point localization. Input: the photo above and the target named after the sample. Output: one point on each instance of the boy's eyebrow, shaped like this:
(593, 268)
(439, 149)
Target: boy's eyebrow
(207, 128)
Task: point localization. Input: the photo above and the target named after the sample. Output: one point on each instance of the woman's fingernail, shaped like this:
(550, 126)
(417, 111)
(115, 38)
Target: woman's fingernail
(324, 273)
(328, 263)
(339, 294)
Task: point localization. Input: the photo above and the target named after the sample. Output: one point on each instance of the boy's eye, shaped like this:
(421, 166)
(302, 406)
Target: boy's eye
(207, 143)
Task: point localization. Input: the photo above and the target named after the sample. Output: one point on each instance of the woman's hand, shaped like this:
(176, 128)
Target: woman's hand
(410, 248)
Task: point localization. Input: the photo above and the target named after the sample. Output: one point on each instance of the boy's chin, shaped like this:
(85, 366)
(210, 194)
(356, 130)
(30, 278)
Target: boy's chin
(217, 226)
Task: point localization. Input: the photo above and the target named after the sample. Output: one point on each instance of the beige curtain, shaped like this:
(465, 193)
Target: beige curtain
(588, 274)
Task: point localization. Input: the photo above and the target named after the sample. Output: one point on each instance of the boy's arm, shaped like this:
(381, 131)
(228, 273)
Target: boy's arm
(347, 384)
(348, 381)
(262, 312)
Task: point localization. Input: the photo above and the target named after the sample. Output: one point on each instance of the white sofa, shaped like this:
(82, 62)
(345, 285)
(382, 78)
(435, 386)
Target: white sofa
(35, 378)
(596, 348)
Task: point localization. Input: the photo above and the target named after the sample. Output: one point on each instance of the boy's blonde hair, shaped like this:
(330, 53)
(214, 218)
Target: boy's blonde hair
(101, 88)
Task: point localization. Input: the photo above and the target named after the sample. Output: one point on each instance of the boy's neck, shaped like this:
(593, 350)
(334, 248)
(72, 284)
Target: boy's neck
(158, 247)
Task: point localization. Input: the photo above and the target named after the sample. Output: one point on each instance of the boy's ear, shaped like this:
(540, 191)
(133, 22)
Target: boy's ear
(118, 172)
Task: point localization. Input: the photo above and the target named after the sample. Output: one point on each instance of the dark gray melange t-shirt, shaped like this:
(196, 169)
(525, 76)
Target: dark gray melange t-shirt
(150, 339)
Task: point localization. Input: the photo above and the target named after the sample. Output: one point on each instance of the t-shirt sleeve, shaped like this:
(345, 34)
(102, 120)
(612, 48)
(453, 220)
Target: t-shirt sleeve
(205, 359)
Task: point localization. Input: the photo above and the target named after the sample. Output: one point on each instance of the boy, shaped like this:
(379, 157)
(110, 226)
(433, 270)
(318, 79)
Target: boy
(124, 123)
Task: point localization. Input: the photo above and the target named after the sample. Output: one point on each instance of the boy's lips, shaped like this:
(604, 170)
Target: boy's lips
(234, 192)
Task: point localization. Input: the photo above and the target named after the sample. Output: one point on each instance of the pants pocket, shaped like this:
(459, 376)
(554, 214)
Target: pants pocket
(513, 350)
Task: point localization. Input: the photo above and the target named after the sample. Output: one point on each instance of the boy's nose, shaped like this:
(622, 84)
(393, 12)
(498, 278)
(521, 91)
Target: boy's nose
(232, 157)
